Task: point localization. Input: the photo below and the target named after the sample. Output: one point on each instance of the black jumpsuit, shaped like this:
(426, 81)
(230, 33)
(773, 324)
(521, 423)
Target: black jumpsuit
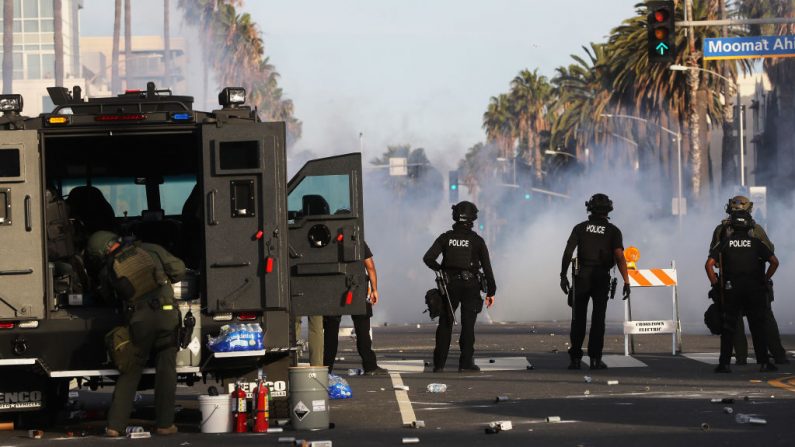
(464, 254)
(596, 241)
(744, 291)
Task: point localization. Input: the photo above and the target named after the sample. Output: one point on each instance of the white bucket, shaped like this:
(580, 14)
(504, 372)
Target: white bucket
(216, 413)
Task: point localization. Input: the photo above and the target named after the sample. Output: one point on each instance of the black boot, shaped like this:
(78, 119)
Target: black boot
(575, 363)
(597, 363)
(722, 368)
(473, 367)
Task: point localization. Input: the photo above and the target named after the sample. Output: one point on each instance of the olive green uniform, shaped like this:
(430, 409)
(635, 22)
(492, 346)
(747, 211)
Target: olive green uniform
(315, 335)
(772, 334)
(153, 321)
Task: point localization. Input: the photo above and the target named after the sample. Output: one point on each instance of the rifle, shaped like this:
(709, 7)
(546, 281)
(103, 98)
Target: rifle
(441, 283)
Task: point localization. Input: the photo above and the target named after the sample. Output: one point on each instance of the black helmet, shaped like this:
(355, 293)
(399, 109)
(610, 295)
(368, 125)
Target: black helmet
(739, 203)
(465, 212)
(599, 204)
(99, 243)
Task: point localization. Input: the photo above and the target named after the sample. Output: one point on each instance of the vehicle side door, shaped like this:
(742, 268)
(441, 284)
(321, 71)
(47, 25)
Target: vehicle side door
(243, 185)
(22, 260)
(325, 217)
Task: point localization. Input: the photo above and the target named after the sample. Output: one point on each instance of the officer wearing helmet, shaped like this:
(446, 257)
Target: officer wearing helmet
(139, 276)
(739, 207)
(599, 247)
(464, 254)
(742, 288)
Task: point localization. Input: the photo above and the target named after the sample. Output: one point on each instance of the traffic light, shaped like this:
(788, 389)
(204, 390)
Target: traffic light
(662, 36)
(453, 177)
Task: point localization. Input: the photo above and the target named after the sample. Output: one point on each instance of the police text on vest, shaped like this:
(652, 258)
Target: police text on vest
(458, 243)
(740, 244)
(597, 229)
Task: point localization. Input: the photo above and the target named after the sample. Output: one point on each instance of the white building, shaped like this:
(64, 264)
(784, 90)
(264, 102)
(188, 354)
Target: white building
(34, 51)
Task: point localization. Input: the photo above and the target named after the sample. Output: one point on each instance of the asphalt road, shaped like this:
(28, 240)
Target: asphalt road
(664, 400)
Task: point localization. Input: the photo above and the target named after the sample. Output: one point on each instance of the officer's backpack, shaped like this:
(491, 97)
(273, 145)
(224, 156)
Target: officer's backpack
(134, 272)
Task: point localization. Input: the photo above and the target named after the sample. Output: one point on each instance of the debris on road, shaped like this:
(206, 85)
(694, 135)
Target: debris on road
(704, 426)
(35, 434)
(553, 418)
(728, 410)
(498, 426)
(436, 387)
(417, 424)
(612, 382)
(587, 392)
(588, 379)
(741, 418)
(401, 387)
(286, 439)
(725, 400)
(411, 440)
(501, 399)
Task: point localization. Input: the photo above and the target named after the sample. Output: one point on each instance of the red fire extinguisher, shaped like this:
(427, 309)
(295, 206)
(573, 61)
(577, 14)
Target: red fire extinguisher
(262, 408)
(241, 410)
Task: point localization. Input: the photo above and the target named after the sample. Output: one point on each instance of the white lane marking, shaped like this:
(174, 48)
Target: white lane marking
(710, 358)
(403, 366)
(402, 396)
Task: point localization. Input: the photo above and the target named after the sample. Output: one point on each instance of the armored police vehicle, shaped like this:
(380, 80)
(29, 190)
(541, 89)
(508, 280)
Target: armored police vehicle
(211, 188)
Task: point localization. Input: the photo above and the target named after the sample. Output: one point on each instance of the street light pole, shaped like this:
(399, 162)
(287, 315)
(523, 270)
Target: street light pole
(678, 136)
(740, 117)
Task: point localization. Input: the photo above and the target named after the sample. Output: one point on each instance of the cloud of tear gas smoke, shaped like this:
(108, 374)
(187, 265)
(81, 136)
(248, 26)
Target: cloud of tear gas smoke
(527, 259)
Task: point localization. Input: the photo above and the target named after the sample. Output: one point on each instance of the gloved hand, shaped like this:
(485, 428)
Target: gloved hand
(626, 291)
(564, 284)
(714, 292)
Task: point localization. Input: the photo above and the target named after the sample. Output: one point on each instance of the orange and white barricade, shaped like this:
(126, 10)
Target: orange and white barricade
(653, 278)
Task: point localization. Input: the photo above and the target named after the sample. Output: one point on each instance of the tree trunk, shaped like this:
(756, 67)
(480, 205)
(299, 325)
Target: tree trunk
(127, 46)
(115, 82)
(58, 31)
(692, 112)
(8, 46)
(167, 43)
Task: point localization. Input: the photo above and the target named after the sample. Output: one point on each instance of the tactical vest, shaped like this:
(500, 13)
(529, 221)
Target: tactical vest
(135, 273)
(457, 251)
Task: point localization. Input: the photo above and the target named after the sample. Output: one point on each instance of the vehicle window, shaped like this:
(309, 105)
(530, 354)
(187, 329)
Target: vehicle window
(320, 195)
(174, 192)
(10, 163)
(239, 155)
(124, 194)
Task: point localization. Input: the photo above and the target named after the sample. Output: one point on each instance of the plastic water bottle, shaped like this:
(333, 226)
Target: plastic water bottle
(355, 372)
(437, 388)
(134, 429)
(741, 418)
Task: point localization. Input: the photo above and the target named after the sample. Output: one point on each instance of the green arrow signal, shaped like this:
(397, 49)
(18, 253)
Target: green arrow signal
(662, 48)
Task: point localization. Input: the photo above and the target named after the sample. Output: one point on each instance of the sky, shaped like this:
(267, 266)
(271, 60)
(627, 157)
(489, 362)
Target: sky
(412, 72)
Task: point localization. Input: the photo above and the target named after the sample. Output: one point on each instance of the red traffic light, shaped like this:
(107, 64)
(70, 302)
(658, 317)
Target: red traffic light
(661, 33)
(660, 15)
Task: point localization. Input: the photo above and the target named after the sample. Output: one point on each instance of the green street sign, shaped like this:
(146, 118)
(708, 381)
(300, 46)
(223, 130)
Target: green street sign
(662, 48)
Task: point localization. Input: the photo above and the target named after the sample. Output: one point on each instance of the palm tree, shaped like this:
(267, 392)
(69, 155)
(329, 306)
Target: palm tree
(58, 31)
(167, 43)
(653, 91)
(500, 125)
(8, 46)
(236, 52)
(127, 45)
(530, 94)
(115, 84)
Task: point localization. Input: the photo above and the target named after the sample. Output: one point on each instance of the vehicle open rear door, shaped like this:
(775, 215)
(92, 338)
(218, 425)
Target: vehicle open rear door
(325, 217)
(22, 265)
(243, 174)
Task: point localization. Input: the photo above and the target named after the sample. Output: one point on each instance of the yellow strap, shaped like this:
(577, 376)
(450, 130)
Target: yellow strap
(168, 307)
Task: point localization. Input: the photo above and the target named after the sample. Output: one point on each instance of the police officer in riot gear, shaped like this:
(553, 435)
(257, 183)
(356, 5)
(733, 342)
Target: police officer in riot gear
(599, 247)
(740, 206)
(464, 254)
(742, 288)
(140, 275)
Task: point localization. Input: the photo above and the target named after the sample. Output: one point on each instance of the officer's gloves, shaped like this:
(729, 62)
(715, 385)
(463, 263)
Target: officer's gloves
(626, 291)
(714, 292)
(564, 284)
